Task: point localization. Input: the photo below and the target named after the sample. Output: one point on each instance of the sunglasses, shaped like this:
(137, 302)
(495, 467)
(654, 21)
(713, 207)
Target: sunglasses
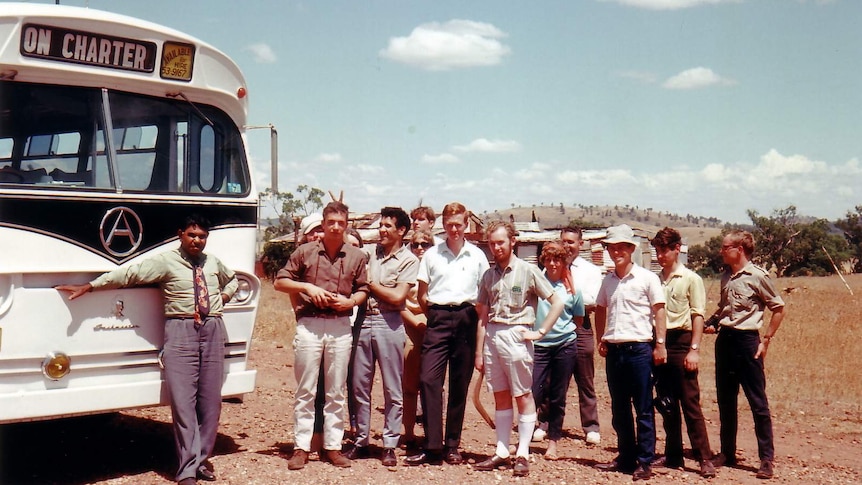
(424, 245)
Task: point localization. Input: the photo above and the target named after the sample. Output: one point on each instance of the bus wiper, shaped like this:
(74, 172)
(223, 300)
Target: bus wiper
(193, 105)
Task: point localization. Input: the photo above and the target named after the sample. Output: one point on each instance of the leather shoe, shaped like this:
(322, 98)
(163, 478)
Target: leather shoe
(453, 457)
(522, 467)
(668, 462)
(298, 460)
(204, 473)
(336, 458)
(388, 458)
(357, 453)
(721, 460)
(614, 466)
(427, 456)
(642, 472)
(707, 469)
(491, 463)
(187, 481)
(765, 472)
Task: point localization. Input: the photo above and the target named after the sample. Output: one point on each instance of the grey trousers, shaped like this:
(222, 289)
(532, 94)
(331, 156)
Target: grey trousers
(381, 339)
(585, 374)
(194, 373)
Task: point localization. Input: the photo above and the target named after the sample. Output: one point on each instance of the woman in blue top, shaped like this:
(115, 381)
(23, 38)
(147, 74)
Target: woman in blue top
(555, 354)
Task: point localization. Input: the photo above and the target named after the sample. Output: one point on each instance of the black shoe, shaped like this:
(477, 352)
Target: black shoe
(453, 457)
(427, 456)
(491, 463)
(721, 460)
(668, 462)
(614, 466)
(357, 453)
(522, 467)
(204, 473)
(642, 472)
(765, 472)
(388, 459)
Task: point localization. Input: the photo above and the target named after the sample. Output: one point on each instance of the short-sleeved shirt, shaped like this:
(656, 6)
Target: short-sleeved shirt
(629, 303)
(588, 279)
(345, 274)
(685, 298)
(564, 328)
(389, 270)
(744, 296)
(172, 271)
(511, 293)
(452, 278)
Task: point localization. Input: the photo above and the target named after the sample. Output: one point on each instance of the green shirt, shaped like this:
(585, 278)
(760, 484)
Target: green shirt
(172, 271)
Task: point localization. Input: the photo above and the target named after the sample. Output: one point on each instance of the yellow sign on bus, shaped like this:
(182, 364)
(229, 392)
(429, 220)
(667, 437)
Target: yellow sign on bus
(177, 61)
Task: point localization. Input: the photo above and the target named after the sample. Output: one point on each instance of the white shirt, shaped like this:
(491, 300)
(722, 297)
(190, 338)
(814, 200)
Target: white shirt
(452, 279)
(588, 279)
(629, 302)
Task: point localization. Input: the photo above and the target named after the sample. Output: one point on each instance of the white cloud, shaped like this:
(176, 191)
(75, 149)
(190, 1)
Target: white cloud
(262, 53)
(441, 158)
(489, 146)
(696, 78)
(670, 4)
(366, 169)
(328, 158)
(455, 44)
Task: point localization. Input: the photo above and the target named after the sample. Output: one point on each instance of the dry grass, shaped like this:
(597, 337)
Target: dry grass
(812, 366)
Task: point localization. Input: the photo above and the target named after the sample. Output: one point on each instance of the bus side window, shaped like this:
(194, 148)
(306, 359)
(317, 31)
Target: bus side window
(207, 166)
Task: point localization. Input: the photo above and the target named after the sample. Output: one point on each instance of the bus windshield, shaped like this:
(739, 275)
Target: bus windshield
(73, 138)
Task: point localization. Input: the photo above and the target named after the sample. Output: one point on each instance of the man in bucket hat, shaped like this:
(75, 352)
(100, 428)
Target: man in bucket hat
(629, 304)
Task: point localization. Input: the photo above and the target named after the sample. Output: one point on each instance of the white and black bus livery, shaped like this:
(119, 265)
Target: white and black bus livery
(111, 130)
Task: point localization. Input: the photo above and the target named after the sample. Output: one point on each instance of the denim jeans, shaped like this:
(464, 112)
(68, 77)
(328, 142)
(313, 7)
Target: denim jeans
(629, 370)
(552, 369)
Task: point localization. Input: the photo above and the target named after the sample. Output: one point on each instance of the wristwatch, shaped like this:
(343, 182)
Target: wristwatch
(695, 346)
(659, 341)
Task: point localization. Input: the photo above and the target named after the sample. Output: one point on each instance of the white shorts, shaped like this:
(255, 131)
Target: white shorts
(508, 359)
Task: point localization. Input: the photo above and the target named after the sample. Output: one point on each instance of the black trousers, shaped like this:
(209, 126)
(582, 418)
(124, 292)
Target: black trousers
(683, 390)
(736, 366)
(450, 340)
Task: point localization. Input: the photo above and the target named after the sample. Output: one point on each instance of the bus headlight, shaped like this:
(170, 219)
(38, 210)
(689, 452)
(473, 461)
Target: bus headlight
(56, 365)
(243, 291)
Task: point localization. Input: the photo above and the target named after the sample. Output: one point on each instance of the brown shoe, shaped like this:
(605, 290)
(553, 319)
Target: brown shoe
(453, 457)
(522, 467)
(336, 458)
(642, 472)
(298, 460)
(388, 459)
(765, 472)
(707, 469)
(491, 463)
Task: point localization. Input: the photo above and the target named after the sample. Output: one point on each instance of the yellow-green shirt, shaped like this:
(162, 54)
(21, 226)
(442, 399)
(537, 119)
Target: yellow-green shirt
(685, 296)
(172, 271)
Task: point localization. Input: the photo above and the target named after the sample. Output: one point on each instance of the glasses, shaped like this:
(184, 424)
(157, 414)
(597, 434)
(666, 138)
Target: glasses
(725, 247)
(423, 245)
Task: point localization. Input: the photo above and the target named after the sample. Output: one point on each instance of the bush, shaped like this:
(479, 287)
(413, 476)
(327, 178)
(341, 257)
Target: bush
(275, 256)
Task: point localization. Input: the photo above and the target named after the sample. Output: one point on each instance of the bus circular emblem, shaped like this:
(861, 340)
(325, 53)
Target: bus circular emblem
(121, 231)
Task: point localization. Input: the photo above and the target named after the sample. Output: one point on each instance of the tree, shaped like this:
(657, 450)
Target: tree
(705, 258)
(288, 206)
(852, 227)
(773, 236)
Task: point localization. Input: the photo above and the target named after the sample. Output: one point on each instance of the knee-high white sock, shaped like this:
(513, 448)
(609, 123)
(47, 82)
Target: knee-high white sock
(503, 420)
(526, 425)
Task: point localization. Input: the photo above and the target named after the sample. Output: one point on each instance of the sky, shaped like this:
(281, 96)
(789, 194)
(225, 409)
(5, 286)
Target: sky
(702, 107)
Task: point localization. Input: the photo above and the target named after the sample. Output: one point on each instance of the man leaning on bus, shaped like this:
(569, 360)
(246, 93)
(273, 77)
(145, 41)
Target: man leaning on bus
(195, 287)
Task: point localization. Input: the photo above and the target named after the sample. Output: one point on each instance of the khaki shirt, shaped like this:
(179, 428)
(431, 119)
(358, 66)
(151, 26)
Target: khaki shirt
(685, 298)
(172, 271)
(399, 267)
(744, 296)
(512, 293)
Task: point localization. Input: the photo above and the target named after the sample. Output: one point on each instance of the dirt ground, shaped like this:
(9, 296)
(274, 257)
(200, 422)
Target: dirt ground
(256, 439)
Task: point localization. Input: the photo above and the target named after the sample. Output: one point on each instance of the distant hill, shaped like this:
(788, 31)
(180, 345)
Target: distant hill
(694, 229)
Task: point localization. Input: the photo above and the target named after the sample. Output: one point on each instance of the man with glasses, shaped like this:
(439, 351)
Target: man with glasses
(746, 291)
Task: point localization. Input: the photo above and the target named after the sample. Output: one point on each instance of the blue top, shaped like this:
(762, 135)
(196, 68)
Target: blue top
(563, 330)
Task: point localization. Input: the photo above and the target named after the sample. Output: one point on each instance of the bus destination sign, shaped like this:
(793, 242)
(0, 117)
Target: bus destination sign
(177, 61)
(80, 47)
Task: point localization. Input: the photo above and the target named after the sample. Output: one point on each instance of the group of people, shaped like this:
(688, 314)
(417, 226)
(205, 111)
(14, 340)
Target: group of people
(417, 306)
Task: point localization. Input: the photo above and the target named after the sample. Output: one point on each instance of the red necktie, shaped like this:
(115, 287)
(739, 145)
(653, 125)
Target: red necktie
(202, 298)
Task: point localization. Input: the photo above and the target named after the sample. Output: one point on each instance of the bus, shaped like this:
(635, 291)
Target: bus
(111, 130)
